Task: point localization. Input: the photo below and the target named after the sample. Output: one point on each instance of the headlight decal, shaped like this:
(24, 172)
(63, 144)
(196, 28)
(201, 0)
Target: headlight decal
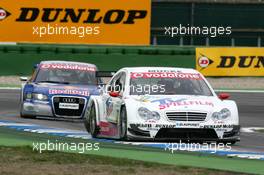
(222, 115)
(146, 114)
(40, 97)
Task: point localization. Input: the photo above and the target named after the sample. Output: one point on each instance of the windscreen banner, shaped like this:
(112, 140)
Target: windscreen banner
(84, 22)
(230, 61)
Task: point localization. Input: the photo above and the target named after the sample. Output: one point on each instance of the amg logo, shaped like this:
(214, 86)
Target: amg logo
(89, 16)
(242, 61)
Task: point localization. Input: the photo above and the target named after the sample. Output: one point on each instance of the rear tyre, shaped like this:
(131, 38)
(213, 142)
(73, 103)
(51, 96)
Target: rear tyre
(123, 123)
(93, 128)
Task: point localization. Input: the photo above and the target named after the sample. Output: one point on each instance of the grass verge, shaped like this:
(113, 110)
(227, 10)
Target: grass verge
(10, 86)
(15, 159)
(259, 130)
(193, 162)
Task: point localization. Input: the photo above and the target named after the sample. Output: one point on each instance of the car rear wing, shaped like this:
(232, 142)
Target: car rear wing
(101, 74)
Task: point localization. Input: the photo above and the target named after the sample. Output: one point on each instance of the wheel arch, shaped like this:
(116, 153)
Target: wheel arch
(131, 109)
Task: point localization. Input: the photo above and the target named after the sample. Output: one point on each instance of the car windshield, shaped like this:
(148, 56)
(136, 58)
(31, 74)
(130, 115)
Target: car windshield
(154, 84)
(66, 76)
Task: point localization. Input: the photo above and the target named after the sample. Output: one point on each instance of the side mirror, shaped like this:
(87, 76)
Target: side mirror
(114, 94)
(23, 78)
(223, 96)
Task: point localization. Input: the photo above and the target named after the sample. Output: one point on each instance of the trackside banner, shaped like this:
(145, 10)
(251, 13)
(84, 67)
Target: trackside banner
(83, 21)
(236, 61)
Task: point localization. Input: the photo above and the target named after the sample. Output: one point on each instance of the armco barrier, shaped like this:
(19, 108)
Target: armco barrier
(19, 59)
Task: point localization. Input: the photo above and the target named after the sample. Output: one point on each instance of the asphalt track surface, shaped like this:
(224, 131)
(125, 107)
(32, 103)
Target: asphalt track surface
(250, 106)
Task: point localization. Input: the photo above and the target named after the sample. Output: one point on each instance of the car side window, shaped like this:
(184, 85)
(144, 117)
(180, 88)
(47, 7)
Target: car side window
(120, 82)
(117, 83)
(111, 85)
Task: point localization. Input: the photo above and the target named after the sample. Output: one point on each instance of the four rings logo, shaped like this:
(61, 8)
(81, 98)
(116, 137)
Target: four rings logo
(3, 14)
(69, 100)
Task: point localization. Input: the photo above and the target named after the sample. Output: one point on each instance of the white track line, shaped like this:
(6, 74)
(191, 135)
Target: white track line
(251, 129)
(10, 88)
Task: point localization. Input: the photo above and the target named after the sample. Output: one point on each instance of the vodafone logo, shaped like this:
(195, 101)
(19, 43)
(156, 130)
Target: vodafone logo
(3, 14)
(164, 75)
(67, 67)
(203, 62)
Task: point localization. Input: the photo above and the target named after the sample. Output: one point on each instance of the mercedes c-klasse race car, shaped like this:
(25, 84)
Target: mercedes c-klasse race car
(159, 103)
(58, 89)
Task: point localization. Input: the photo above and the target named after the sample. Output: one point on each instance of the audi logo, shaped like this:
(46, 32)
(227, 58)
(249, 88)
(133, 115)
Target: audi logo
(69, 100)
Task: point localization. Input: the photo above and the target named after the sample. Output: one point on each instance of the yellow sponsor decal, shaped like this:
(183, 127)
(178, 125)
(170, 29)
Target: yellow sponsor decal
(82, 21)
(236, 61)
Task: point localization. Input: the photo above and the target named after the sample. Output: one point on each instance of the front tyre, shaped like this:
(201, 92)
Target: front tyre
(123, 123)
(27, 116)
(93, 128)
(86, 121)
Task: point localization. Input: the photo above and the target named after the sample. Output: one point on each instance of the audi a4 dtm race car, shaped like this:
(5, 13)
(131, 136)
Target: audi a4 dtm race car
(159, 103)
(59, 89)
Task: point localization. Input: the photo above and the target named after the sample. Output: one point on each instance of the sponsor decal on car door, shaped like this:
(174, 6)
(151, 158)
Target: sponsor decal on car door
(112, 106)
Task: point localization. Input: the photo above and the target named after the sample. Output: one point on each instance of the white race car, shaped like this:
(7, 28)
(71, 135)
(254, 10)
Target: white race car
(162, 103)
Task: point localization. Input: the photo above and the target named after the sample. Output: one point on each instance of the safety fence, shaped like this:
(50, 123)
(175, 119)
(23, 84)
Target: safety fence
(19, 59)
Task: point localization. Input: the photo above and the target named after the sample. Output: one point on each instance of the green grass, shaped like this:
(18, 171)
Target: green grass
(259, 130)
(11, 137)
(10, 85)
(52, 162)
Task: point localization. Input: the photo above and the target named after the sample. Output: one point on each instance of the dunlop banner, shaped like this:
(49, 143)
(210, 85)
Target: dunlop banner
(231, 61)
(82, 21)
